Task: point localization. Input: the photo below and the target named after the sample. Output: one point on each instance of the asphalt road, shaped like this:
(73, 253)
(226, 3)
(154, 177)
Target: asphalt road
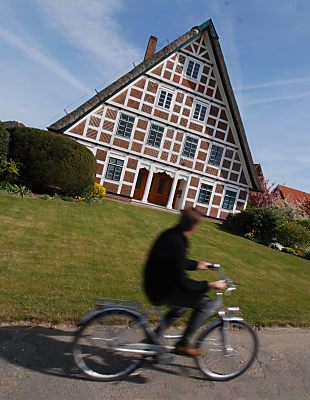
(36, 364)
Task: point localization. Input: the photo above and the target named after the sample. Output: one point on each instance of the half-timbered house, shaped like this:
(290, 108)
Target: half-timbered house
(169, 132)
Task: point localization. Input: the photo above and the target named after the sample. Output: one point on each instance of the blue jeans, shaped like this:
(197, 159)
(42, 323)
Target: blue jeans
(178, 300)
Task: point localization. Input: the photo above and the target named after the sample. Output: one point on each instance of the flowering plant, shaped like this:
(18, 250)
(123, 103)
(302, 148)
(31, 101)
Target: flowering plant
(99, 191)
(249, 235)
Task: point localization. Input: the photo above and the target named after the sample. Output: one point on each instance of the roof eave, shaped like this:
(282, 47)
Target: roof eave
(256, 184)
(71, 118)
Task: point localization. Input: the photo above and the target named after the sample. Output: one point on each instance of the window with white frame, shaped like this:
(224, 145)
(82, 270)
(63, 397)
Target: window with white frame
(114, 169)
(165, 99)
(200, 112)
(192, 69)
(125, 125)
(229, 200)
(216, 155)
(155, 135)
(190, 146)
(205, 193)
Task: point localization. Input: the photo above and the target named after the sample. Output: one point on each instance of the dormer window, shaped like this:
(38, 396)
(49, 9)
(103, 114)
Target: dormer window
(165, 99)
(193, 69)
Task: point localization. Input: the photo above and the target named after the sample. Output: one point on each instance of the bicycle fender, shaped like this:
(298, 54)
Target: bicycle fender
(95, 313)
(88, 317)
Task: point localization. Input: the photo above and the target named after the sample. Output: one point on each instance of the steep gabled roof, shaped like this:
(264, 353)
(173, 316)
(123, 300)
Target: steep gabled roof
(67, 121)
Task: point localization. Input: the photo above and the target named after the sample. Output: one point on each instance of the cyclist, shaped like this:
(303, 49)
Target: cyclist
(166, 282)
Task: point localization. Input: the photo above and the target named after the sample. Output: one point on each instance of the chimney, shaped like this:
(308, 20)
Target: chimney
(151, 48)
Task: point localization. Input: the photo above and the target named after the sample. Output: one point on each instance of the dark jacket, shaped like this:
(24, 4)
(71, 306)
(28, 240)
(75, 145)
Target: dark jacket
(165, 267)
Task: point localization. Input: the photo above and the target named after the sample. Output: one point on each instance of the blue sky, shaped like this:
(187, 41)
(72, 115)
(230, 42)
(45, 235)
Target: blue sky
(55, 53)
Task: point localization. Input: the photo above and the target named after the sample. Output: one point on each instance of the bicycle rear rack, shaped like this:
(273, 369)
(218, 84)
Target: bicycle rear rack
(105, 302)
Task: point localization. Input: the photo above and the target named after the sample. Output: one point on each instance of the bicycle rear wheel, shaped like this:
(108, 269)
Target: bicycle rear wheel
(229, 348)
(99, 348)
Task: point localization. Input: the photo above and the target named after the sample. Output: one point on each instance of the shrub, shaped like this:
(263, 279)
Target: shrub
(99, 191)
(51, 162)
(289, 250)
(293, 234)
(4, 143)
(305, 222)
(67, 198)
(261, 221)
(21, 191)
(307, 253)
(8, 171)
(250, 235)
(45, 197)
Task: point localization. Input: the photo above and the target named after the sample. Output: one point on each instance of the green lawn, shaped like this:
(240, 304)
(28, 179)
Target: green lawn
(56, 257)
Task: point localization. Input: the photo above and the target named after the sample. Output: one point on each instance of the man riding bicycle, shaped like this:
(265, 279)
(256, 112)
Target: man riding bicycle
(166, 282)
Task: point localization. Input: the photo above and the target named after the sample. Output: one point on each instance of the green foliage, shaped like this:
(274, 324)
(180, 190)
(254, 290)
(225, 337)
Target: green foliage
(291, 233)
(67, 198)
(250, 235)
(45, 197)
(305, 222)
(99, 191)
(14, 189)
(8, 171)
(289, 250)
(307, 253)
(95, 197)
(261, 221)
(4, 143)
(52, 163)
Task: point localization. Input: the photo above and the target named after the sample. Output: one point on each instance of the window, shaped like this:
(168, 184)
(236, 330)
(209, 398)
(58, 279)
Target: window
(216, 155)
(165, 99)
(190, 146)
(161, 186)
(155, 135)
(229, 200)
(114, 169)
(192, 69)
(125, 125)
(200, 112)
(205, 193)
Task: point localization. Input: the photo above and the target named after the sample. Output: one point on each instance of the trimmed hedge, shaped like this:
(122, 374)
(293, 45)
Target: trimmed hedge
(4, 142)
(52, 163)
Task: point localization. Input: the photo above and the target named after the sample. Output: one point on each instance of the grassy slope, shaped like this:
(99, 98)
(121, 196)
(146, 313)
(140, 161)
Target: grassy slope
(55, 257)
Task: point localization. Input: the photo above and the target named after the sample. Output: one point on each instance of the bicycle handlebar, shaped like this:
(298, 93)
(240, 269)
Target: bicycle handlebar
(230, 283)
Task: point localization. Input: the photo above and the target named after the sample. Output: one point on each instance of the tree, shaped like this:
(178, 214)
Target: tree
(266, 198)
(305, 206)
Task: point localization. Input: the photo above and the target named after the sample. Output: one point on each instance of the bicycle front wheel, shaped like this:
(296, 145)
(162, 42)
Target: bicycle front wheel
(229, 348)
(102, 346)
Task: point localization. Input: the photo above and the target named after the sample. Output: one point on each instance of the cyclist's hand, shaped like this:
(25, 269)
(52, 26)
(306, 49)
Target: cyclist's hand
(203, 265)
(220, 285)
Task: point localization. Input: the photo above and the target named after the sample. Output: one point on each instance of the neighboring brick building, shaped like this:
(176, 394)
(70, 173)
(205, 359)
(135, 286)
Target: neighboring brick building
(169, 132)
(293, 197)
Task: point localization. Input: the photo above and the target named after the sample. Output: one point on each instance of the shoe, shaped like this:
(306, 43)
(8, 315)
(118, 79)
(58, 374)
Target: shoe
(187, 350)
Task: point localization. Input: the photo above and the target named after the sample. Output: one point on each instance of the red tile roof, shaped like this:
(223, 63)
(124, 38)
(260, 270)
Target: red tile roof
(292, 195)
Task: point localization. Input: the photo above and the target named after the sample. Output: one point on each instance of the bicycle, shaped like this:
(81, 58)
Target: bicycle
(113, 341)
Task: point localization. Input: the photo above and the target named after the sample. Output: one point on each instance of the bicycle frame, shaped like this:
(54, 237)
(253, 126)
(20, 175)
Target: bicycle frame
(139, 340)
